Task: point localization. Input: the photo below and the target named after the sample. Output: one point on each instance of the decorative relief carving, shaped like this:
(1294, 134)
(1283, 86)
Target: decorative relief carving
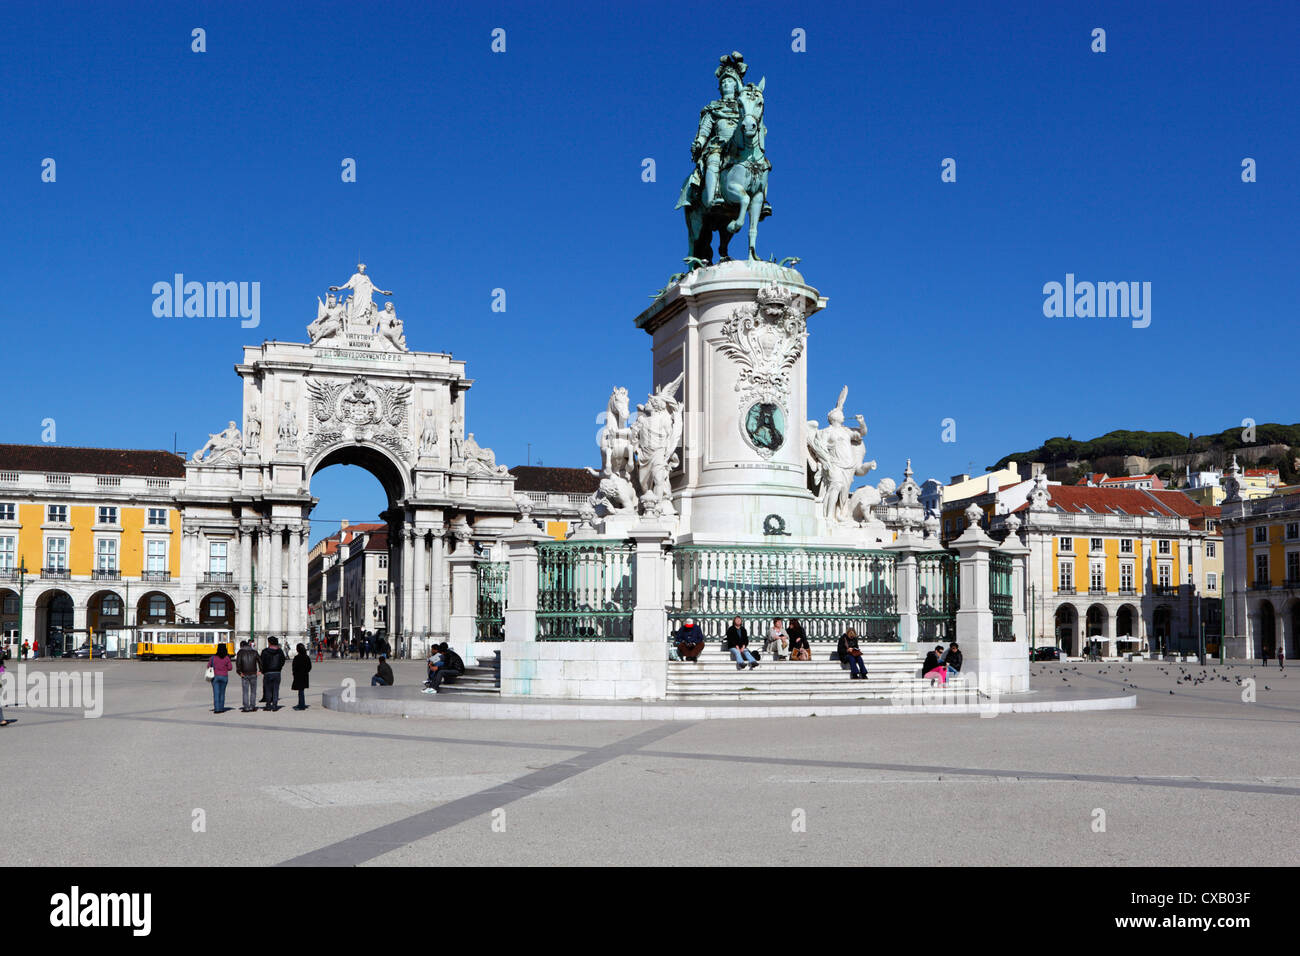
(356, 410)
(765, 340)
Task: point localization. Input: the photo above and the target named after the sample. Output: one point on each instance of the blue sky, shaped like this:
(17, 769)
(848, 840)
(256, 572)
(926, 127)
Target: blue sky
(522, 171)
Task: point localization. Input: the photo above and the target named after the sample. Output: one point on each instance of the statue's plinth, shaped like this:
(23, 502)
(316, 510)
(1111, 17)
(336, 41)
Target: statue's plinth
(738, 331)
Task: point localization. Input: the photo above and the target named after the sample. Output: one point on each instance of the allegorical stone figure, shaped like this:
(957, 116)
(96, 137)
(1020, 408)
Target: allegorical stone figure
(224, 447)
(479, 460)
(429, 435)
(390, 327)
(835, 456)
(361, 302)
(657, 433)
(253, 434)
(456, 446)
(288, 425)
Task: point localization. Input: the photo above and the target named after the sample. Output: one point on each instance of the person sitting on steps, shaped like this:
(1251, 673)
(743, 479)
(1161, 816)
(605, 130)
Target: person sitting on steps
(851, 654)
(738, 645)
(777, 639)
(799, 647)
(689, 640)
(933, 667)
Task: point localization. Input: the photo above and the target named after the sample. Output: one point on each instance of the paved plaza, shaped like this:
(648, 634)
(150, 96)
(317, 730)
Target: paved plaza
(1197, 777)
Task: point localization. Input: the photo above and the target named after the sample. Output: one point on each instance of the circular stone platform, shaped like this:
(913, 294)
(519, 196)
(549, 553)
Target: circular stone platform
(409, 702)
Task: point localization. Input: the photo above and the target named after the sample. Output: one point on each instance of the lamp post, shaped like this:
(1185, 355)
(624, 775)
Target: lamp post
(22, 586)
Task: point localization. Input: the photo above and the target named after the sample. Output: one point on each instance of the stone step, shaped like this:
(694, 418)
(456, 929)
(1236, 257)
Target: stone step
(846, 689)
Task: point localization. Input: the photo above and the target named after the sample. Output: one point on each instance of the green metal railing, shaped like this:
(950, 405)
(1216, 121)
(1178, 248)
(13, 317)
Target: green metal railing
(938, 596)
(490, 618)
(827, 589)
(585, 591)
(1000, 596)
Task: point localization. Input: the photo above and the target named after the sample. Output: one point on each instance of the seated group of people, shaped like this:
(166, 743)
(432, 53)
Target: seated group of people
(792, 643)
(941, 664)
(783, 643)
(444, 666)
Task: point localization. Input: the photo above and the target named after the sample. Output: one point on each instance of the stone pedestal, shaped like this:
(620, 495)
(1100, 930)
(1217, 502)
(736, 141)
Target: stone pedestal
(464, 603)
(737, 330)
(1001, 666)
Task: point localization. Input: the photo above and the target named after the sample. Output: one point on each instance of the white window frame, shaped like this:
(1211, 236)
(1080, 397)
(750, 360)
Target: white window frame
(1125, 545)
(1064, 575)
(1164, 546)
(111, 519)
(1211, 581)
(1096, 576)
(1261, 534)
(106, 547)
(1126, 576)
(62, 554)
(8, 552)
(151, 513)
(50, 514)
(1210, 548)
(1097, 545)
(8, 511)
(149, 555)
(218, 556)
(1261, 560)
(1165, 575)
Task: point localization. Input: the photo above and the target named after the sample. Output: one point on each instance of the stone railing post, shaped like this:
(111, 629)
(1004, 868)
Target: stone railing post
(521, 609)
(997, 666)
(649, 619)
(907, 586)
(1013, 548)
(464, 600)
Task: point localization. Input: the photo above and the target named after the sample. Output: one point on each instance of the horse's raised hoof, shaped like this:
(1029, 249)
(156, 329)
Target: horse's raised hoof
(734, 226)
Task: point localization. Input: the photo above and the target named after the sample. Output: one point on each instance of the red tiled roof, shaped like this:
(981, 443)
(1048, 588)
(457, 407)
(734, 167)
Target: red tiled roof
(561, 481)
(1080, 499)
(62, 459)
(1109, 481)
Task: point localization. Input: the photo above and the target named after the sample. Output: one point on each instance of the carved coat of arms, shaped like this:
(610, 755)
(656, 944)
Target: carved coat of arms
(357, 410)
(766, 340)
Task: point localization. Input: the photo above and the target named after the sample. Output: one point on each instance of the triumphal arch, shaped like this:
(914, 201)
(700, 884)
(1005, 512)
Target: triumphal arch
(354, 394)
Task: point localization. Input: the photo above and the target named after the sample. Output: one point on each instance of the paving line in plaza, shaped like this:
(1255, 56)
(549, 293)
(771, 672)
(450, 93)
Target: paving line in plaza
(1024, 776)
(374, 843)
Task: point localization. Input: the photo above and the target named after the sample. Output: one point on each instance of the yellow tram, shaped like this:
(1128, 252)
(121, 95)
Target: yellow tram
(166, 642)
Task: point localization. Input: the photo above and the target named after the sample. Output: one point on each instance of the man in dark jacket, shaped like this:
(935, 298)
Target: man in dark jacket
(272, 664)
(738, 645)
(452, 663)
(689, 640)
(246, 666)
(383, 675)
(952, 660)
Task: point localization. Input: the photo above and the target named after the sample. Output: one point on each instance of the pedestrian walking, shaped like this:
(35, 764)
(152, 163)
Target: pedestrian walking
(221, 665)
(320, 651)
(272, 665)
(1281, 656)
(247, 665)
(301, 668)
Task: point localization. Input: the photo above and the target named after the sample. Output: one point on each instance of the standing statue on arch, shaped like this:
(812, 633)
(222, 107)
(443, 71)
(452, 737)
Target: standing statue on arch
(729, 182)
